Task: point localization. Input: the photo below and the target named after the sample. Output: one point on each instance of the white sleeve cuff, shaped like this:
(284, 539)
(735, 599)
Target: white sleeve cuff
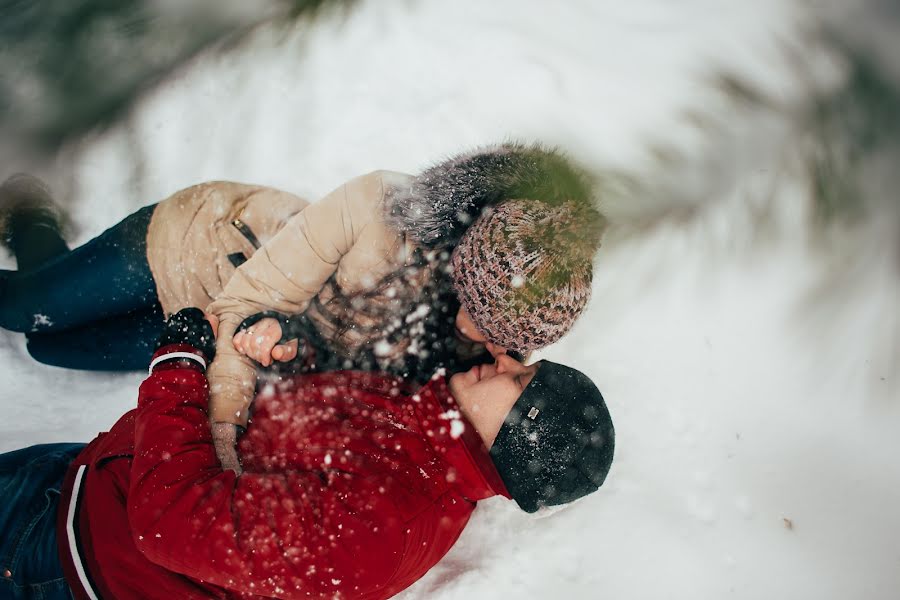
(178, 355)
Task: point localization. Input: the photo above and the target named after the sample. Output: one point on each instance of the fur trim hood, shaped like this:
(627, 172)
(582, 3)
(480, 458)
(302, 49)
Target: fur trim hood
(439, 205)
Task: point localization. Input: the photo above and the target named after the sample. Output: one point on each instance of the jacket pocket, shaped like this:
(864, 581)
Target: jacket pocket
(234, 245)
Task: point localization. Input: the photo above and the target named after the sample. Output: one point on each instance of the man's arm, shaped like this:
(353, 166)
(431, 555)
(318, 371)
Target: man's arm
(290, 534)
(343, 233)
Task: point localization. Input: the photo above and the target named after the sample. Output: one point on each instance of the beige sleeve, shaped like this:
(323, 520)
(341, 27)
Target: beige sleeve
(289, 270)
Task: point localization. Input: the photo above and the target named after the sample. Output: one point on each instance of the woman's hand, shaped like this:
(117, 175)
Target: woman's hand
(260, 342)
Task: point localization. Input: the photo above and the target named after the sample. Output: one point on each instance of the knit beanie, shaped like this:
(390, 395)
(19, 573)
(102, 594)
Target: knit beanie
(523, 270)
(556, 444)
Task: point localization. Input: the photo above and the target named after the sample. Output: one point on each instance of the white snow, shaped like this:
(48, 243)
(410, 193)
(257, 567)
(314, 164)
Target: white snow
(751, 374)
(41, 321)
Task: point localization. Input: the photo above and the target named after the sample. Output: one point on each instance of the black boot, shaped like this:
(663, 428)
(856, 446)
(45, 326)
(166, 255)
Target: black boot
(30, 221)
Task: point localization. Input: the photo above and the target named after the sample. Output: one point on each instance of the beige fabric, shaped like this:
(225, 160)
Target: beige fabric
(343, 236)
(191, 235)
(225, 441)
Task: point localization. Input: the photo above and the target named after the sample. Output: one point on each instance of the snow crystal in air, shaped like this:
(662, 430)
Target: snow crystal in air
(383, 348)
(41, 321)
(421, 311)
(457, 427)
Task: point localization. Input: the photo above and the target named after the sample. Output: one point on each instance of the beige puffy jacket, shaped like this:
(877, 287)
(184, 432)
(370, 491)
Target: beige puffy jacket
(347, 240)
(343, 235)
(193, 240)
(192, 234)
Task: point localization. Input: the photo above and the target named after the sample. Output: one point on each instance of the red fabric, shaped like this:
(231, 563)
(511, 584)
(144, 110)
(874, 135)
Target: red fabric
(351, 488)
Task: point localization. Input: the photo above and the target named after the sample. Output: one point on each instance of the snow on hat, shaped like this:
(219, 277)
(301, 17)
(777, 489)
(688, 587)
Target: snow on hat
(523, 270)
(557, 443)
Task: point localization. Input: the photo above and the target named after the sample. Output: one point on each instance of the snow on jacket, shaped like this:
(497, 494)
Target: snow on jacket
(331, 259)
(343, 238)
(200, 237)
(355, 277)
(351, 488)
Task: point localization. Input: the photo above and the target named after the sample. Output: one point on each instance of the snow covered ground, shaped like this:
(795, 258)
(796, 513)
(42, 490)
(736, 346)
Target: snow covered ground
(752, 375)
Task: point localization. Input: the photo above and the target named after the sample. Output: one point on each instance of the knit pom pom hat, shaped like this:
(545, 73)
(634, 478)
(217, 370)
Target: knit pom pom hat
(522, 221)
(523, 270)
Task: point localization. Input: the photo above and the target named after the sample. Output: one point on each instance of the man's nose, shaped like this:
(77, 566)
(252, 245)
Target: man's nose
(494, 349)
(506, 363)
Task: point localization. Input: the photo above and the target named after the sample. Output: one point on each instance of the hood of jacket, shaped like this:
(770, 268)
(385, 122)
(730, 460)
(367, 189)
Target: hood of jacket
(437, 207)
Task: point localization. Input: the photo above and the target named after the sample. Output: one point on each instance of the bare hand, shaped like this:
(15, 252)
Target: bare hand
(260, 342)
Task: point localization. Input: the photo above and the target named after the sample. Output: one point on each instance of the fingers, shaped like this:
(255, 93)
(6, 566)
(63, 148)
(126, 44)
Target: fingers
(285, 352)
(259, 346)
(265, 340)
(258, 340)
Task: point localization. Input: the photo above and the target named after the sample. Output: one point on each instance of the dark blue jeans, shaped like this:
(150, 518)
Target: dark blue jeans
(30, 481)
(94, 307)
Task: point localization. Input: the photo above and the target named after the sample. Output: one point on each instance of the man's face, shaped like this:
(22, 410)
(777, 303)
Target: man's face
(486, 393)
(466, 330)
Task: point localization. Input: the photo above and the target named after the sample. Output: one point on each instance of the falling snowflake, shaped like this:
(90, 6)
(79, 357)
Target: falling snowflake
(457, 428)
(421, 311)
(383, 348)
(41, 321)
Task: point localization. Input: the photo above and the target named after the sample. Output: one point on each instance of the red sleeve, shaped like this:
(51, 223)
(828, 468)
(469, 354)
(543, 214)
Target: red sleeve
(293, 534)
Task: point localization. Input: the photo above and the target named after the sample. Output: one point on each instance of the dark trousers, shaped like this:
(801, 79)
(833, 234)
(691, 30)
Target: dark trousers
(30, 481)
(92, 308)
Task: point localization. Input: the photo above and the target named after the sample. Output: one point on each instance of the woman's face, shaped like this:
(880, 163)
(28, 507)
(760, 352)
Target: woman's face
(486, 393)
(466, 330)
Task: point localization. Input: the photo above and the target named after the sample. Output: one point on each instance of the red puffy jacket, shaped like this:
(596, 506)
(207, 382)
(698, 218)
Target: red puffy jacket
(351, 488)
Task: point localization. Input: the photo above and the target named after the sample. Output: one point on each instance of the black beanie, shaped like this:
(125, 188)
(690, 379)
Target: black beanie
(557, 442)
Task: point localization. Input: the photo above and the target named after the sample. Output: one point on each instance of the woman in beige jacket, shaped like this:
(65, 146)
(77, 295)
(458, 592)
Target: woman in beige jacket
(371, 276)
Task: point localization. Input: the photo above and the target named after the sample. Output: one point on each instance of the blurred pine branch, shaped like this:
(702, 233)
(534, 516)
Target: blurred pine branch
(72, 65)
(851, 128)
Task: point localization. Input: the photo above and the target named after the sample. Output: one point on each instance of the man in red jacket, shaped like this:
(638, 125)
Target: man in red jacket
(353, 485)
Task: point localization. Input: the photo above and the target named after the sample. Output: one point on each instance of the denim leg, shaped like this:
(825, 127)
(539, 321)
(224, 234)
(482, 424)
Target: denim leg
(30, 481)
(108, 276)
(124, 343)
